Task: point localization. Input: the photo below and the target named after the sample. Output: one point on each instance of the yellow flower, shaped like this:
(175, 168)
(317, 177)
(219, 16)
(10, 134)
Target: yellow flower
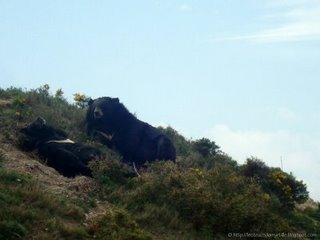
(79, 97)
(266, 197)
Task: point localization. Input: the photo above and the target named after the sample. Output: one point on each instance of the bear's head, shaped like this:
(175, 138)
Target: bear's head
(39, 131)
(105, 114)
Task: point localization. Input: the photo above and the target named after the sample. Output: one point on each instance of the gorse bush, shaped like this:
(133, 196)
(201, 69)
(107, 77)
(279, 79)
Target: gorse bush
(111, 172)
(287, 189)
(204, 195)
(115, 224)
(205, 147)
(212, 202)
(81, 100)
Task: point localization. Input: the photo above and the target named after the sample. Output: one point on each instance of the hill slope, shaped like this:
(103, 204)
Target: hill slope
(206, 195)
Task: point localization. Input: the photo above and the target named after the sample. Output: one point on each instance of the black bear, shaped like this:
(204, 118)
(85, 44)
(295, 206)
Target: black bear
(67, 157)
(116, 127)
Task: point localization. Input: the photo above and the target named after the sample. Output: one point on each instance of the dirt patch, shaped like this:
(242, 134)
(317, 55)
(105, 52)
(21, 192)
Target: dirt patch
(308, 204)
(5, 103)
(49, 178)
(96, 213)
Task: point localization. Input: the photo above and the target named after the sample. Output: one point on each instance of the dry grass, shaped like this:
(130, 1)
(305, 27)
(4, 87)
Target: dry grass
(5, 103)
(78, 187)
(308, 204)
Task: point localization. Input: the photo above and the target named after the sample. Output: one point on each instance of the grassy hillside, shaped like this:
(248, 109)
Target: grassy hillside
(205, 195)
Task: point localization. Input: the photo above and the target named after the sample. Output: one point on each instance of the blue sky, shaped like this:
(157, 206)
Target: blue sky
(243, 73)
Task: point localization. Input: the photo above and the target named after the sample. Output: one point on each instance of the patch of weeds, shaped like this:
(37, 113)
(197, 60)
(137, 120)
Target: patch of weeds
(116, 224)
(12, 230)
(26, 210)
(2, 158)
(111, 173)
(13, 178)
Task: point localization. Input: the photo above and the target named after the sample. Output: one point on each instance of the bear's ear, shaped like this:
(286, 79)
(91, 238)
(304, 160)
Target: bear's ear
(40, 121)
(90, 101)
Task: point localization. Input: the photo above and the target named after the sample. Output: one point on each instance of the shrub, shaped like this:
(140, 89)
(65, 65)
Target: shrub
(111, 173)
(305, 222)
(81, 100)
(59, 94)
(205, 147)
(211, 202)
(287, 189)
(11, 230)
(183, 146)
(255, 168)
(116, 224)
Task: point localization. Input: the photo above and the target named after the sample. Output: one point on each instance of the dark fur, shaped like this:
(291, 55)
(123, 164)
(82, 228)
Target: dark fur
(69, 159)
(137, 141)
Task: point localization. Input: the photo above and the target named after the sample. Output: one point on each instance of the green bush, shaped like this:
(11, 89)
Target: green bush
(111, 173)
(211, 202)
(305, 222)
(288, 190)
(11, 230)
(205, 147)
(116, 224)
(183, 146)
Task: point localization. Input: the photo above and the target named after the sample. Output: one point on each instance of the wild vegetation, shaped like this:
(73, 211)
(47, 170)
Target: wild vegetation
(205, 195)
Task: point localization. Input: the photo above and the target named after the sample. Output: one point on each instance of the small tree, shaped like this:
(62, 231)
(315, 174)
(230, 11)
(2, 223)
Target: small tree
(276, 182)
(287, 188)
(205, 147)
(59, 93)
(44, 89)
(254, 167)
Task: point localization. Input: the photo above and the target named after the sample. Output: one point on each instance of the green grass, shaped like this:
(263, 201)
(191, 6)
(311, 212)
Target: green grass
(26, 210)
(29, 212)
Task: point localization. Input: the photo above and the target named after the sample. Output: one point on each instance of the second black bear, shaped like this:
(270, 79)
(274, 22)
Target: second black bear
(67, 157)
(117, 128)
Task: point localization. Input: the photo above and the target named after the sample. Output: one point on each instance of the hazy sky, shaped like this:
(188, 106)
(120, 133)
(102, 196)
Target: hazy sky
(244, 73)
